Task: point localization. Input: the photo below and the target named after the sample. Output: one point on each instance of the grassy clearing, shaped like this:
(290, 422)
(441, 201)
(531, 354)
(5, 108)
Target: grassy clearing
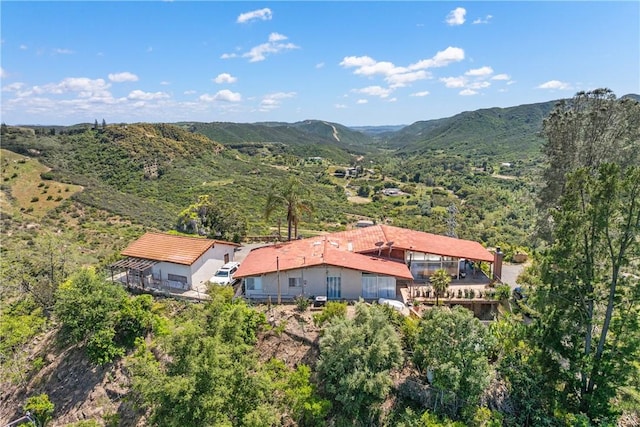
(30, 193)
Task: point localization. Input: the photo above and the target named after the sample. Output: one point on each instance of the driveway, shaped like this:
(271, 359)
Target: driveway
(510, 273)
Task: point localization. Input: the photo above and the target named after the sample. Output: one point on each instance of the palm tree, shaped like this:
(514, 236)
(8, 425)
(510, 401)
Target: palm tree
(291, 196)
(440, 281)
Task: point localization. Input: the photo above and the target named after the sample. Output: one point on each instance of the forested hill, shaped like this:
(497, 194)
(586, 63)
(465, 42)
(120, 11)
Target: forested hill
(493, 131)
(307, 138)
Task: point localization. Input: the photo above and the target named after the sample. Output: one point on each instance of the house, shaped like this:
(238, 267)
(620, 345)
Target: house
(170, 261)
(371, 262)
(392, 192)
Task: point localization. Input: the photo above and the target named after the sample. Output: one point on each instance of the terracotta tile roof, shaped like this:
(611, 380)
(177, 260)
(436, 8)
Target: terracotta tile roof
(170, 248)
(313, 252)
(365, 239)
(348, 249)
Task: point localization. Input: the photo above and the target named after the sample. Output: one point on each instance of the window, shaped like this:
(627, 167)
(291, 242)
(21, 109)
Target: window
(295, 282)
(253, 283)
(374, 286)
(177, 278)
(333, 287)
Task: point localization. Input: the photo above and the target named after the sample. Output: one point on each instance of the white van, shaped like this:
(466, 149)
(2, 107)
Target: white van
(224, 275)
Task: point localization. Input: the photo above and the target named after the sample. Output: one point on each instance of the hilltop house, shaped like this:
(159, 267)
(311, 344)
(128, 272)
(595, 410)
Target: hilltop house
(370, 262)
(169, 261)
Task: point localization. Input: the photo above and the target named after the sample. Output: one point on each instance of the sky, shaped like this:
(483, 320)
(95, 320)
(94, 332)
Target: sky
(359, 63)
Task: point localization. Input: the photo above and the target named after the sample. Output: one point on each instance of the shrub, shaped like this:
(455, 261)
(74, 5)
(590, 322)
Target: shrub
(503, 292)
(302, 303)
(331, 310)
(35, 199)
(41, 408)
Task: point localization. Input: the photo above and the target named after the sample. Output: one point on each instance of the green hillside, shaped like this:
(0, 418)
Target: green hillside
(311, 138)
(500, 132)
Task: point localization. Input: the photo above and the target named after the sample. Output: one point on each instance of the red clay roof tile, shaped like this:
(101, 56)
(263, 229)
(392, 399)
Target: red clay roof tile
(166, 247)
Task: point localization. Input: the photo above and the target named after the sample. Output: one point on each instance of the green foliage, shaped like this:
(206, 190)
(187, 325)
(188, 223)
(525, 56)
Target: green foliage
(302, 303)
(503, 292)
(19, 322)
(453, 347)
(213, 219)
(293, 196)
(440, 280)
(41, 409)
(333, 309)
(211, 372)
(101, 315)
(356, 360)
(585, 276)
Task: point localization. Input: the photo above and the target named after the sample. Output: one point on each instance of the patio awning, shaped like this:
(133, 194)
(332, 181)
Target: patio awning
(136, 264)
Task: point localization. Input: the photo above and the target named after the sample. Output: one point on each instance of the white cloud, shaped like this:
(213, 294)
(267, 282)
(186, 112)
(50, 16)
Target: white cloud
(3, 73)
(320, 65)
(13, 87)
(225, 78)
(146, 96)
(484, 20)
(123, 77)
(456, 16)
(501, 77)
(420, 94)
(362, 101)
(479, 85)
(375, 91)
(259, 53)
(440, 59)
(454, 82)
(480, 72)
(274, 100)
(223, 95)
(403, 79)
(260, 14)
(468, 92)
(85, 87)
(59, 51)
(165, 83)
(340, 106)
(150, 49)
(357, 61)
(276, 37)
(190, 92)
(23, 47)
(555, 85)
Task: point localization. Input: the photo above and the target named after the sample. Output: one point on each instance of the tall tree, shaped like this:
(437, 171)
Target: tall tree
(589, 299)
(590, 129)
(293, 197)
(440, 280)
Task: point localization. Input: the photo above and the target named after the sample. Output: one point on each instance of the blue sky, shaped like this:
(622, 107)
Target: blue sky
(354, 63)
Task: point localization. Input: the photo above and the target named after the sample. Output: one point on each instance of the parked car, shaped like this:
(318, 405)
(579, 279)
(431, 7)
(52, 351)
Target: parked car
(224, 275)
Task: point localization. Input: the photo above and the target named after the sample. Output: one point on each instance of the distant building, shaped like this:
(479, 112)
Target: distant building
(391, 191)
(364, 223)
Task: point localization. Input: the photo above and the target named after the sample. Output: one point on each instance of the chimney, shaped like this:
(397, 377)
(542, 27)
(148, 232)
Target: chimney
(497, 264)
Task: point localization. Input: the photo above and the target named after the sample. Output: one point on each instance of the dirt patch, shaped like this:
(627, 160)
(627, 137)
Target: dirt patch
(78, 389)
(358, 199)
(291, 337)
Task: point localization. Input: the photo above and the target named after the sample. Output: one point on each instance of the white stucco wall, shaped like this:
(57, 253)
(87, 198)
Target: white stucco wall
(205, 267)
(315, 283)
(162, 270)
(199, 271)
